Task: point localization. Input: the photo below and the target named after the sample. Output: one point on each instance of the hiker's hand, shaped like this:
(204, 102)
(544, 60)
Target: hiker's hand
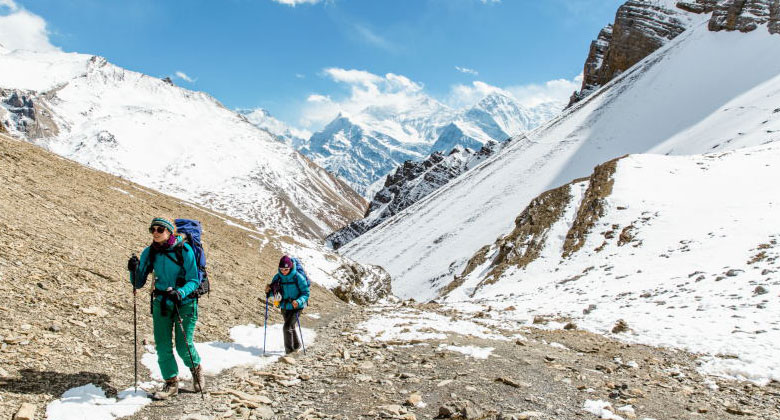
(132, 264)
(174, 296)
(267, 289)
(295, 304)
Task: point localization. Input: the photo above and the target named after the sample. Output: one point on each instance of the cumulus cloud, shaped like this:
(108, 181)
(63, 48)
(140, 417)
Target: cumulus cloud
(529, 95)
(183, 76)
(392, 93)
(553, 90)
(22, 30)
(467, 70)
(294, 3)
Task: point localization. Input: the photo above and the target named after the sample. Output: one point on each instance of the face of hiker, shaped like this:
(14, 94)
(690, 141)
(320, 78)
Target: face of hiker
(284, 270)
(159, 234)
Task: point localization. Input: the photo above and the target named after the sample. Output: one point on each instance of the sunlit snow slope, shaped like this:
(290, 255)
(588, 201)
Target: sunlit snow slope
(704, 91)
(685, 249)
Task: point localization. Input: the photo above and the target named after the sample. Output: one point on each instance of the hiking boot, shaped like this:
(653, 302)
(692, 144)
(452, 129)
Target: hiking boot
(198, 383)
(170, 389)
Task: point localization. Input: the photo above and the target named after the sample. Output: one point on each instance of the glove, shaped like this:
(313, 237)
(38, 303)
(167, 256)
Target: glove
(132, 264)
(174, 296)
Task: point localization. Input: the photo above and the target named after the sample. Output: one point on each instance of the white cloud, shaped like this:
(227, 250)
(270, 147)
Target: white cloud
(183, 76)
(467, 95)
(392, 93)
(529, 95)
(490, 1)
(294, 3)
(300, 76)
(553, 90)
(371, 38)
(22, 30)
(467, 70)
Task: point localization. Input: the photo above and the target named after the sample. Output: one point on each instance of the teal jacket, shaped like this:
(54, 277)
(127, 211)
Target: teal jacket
(294, 287)
(167, 271)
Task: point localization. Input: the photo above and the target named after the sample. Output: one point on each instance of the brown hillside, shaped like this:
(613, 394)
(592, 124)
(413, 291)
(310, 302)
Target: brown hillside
(66, 315)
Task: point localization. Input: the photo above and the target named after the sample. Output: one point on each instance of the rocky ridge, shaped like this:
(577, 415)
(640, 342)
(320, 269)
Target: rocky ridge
(643, 26)
(640, 27)
(411, 182)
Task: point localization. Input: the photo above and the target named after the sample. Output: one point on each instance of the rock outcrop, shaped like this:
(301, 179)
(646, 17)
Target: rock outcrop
(643, 26)
(640, 27)
(411, 182)
(746, 15)
(21, 113)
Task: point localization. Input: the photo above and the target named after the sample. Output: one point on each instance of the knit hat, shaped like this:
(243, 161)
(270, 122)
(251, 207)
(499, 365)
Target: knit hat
(159, 221)
(285, 262)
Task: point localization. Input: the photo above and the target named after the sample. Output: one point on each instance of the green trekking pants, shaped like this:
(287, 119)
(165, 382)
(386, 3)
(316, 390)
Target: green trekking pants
(163, 326)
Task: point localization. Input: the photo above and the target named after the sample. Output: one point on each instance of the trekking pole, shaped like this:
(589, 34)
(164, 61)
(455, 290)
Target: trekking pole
(135, 334)
(265, 323)
(187, 342)
(301, 329)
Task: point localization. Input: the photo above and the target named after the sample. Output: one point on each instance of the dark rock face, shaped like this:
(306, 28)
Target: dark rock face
(410, 183)
(746, 15)
(25, 113)
(598, 50)
(639, 29)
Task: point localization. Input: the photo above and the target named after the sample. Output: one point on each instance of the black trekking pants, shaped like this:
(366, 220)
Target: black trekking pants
(291, 341)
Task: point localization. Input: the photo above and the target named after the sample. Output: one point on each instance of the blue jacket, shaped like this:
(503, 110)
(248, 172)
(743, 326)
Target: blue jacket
(166, 271)
(294, 287)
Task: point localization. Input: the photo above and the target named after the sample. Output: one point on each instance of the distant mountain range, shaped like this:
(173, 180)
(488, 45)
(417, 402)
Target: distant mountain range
(363, 148)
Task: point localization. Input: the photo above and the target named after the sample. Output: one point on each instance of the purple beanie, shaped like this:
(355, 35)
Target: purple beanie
(285, 262)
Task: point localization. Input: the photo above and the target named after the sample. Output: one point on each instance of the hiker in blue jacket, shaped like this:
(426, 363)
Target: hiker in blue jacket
(294, 290)
(174, 280)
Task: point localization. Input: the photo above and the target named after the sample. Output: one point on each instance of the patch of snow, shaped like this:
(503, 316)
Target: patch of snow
(75, 403)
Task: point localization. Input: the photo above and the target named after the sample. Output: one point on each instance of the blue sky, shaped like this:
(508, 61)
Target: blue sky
(263, 53)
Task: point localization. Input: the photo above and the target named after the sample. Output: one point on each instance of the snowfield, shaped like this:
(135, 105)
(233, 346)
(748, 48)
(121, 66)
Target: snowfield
(686, 253)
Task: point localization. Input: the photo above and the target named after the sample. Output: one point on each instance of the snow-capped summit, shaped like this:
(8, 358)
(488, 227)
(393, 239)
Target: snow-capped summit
(263, 119)
(178, 141)
(362, 148)
(497, 116)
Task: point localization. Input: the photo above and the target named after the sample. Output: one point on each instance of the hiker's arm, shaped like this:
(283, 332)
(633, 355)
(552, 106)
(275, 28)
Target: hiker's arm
(190, 273)
(269, 288)
(141, 273)
(304, 287)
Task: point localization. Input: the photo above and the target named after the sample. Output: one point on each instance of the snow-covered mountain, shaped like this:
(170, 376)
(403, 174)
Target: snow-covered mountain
(411, 182)
(177, 141)
(263, 119)
(363, 148)
(704, 91)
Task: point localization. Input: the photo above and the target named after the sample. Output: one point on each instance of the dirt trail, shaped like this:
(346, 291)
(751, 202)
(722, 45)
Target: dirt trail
(547, 375)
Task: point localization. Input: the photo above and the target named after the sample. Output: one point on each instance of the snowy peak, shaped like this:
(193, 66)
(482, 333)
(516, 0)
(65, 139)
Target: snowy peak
(178, 141)
(261, 118)
(363, 148)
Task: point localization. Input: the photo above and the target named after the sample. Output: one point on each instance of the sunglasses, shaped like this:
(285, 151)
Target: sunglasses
(158, 229)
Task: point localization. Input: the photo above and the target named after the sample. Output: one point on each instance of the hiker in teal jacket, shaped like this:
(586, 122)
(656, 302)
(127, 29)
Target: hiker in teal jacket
(294, 291)
(175, 277)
